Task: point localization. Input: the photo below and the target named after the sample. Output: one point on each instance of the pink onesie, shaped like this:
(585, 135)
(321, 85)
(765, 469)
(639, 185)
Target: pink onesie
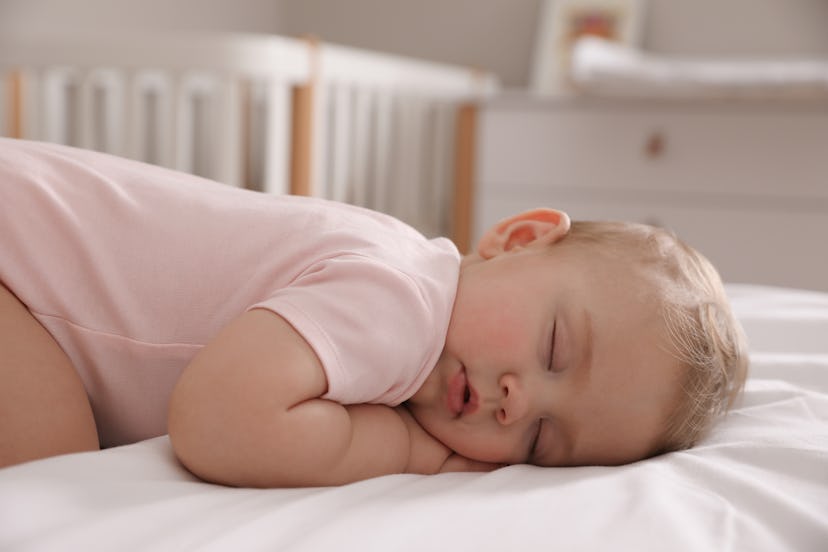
(133, 268)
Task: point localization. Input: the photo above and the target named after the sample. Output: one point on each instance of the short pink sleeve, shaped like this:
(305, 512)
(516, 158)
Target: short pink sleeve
(376, 331)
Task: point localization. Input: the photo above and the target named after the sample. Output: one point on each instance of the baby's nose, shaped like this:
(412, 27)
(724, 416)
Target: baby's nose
(513, 404)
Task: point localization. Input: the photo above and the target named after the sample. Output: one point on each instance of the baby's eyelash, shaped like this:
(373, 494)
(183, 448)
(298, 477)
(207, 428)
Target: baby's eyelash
(550, 367)
(536, 439)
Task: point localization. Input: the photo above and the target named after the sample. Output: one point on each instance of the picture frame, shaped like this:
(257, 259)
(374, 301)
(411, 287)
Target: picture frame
(562, 22)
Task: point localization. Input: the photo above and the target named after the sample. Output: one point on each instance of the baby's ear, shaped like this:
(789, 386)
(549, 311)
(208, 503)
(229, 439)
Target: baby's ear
(530, 228)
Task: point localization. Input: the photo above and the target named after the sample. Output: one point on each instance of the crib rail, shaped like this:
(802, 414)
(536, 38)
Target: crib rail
(266, 112)
(211, 104)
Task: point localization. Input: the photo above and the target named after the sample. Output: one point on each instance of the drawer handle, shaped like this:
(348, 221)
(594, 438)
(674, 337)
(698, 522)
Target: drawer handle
(655, 145)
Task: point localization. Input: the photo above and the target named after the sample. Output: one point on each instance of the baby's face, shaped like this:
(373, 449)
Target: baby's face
(551, 358)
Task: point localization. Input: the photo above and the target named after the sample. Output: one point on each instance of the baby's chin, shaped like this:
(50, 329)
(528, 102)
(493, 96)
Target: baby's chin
(439, 429)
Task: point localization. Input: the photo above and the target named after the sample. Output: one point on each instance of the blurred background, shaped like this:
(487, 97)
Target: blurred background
(496, 35)
(709, 117)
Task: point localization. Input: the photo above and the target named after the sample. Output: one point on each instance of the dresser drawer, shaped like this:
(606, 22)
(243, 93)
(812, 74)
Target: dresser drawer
(720, 149)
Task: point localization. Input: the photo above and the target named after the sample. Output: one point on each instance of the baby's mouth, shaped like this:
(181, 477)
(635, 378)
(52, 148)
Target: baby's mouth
(460, 394)
(470, 397)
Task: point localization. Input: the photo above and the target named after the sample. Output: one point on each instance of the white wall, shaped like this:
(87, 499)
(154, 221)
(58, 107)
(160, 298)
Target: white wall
(231, 15)
(738, 27)
(497, 35)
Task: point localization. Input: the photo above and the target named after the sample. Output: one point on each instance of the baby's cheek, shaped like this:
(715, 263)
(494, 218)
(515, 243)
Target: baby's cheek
(506, 340)
(491, 332)
(506, 333)
(487, 448)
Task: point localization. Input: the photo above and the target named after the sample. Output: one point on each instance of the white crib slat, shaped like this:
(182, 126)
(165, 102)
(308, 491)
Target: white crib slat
(101, 98)
(359, 147)
(227, 146)
(442, 150)
(106, 111)
(74, 109)
(340, 145)
(83, 113)
(325, 139)
(190, 112)
(427, 161)
(275, 141)
(33, 105)
(380, 150)
(56, 117)
(434, 166)
(395, 186)
(408, 169)
(419, 161)
(154, 118)
(164, 118)
(131, 133)
(118, 110)
(399, 194)
(201, 131)
(320, 154)
(92, 109)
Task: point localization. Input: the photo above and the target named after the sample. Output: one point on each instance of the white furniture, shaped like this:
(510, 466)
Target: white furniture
(746, 182)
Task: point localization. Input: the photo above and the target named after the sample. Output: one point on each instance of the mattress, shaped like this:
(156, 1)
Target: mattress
(605, 68)
(758, 482)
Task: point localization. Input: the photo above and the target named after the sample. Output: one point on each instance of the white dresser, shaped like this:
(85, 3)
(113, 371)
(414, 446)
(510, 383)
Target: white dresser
(744, 182)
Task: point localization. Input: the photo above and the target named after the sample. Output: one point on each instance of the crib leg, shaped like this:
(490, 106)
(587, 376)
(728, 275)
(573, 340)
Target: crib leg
(302, 140)
(15, 106)
(464, 151)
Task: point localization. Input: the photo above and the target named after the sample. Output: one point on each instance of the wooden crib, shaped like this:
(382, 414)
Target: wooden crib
(265, 112)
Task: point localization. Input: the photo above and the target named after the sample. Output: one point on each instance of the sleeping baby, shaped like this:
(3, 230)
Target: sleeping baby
(290, 341)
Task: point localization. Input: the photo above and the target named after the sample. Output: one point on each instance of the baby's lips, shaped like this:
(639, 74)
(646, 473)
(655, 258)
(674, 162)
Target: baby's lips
(455, 396)
(473, 403)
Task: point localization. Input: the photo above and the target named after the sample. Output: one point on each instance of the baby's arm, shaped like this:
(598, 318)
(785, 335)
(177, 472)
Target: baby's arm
(247, 411)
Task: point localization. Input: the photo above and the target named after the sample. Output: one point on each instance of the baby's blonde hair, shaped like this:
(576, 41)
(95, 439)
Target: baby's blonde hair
(703, 334)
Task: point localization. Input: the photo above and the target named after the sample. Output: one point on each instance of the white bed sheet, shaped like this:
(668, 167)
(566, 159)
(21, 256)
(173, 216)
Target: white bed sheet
(760, 482)
(601, 67)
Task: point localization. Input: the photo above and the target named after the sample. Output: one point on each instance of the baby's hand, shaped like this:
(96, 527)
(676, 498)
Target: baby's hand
(428, 455)
(457, 463)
